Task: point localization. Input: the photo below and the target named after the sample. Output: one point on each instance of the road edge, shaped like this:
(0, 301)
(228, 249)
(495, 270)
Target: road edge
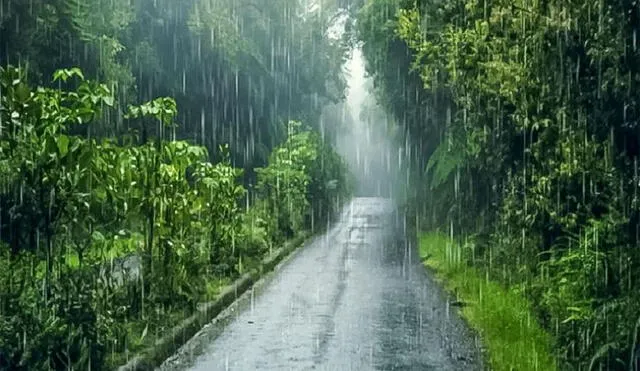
(470, 309)
(150, 358)
(468, 350)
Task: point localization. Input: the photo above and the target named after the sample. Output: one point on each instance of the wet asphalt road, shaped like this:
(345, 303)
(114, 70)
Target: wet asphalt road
(356, 298)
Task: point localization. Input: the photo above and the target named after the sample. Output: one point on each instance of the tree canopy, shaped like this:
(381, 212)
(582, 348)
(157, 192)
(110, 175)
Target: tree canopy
(119, 219)
(524, 116)
(239, 70)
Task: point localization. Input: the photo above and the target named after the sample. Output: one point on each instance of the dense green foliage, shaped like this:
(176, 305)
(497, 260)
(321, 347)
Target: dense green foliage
(106, 242)
(524, 116)
(115, 221)
(302, 175)
(237, 69)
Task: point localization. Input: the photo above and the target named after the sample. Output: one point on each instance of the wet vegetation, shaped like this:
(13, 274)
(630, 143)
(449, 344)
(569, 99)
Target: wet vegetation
(522, 119)
(511, 337)
(119, 219)
(152, 151)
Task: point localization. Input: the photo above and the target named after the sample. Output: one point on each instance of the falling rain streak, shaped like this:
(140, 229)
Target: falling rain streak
(155, 152)
(110, 235)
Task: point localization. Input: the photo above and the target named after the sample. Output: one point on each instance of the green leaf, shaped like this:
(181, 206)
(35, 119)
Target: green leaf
(108, 101)
(101, 193)
(60, 75)
(144, 332)
(97, 237)
(64, 74)
(22, 93)
(76, 71)
(442, 164)
(63, 144)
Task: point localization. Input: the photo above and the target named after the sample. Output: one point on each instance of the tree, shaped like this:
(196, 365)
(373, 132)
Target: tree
(535, 153)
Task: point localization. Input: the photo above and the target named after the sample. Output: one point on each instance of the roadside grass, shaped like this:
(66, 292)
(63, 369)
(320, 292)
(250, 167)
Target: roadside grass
(142, 334)
(502, 317)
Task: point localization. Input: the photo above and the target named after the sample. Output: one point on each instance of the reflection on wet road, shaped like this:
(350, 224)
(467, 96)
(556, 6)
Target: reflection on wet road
(356, 298)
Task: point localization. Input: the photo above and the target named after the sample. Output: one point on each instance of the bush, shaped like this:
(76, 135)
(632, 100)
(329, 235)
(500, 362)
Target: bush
(105, 242)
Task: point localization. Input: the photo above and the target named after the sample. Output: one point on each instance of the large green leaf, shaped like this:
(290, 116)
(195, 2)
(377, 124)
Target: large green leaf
(63, 144)
(442, 164)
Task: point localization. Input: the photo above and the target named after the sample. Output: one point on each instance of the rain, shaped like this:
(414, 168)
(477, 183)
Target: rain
(319, 184)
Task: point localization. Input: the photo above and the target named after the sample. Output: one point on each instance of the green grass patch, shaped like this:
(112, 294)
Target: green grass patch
(215, 287)
(142, 334)
(503, 317)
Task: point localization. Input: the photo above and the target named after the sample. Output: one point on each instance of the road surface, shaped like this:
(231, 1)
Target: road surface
(356, 298)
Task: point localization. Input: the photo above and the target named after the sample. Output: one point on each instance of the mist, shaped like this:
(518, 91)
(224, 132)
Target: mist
(367, 141)
(365, 134)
